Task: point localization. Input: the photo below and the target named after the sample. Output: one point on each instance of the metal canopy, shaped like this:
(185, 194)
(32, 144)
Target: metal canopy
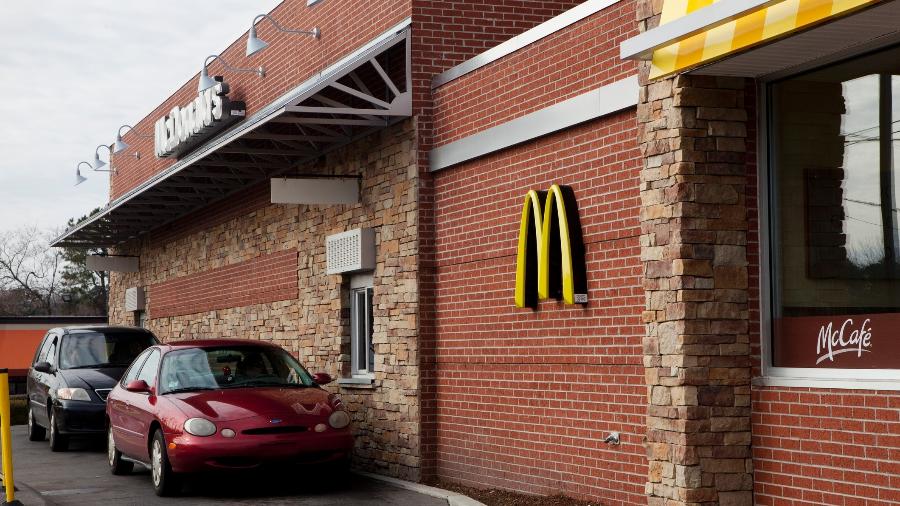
(361, 94)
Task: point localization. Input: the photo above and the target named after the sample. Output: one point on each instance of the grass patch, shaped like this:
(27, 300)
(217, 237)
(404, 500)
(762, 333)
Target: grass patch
(18, 411)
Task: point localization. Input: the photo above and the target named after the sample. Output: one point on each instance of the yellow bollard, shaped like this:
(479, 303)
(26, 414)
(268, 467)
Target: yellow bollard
(6, 439)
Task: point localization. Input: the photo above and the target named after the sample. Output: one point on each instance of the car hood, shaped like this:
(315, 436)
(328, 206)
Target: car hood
(239, 403)
(92, 378)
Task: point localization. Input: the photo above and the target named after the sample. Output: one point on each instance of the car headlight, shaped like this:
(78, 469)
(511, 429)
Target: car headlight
(199, 427)
(339, 419)
(73, 394)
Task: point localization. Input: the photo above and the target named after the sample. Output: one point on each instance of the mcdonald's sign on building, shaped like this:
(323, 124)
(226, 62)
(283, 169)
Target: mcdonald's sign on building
(550, 260)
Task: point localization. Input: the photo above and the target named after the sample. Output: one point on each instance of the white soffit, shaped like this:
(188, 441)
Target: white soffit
(315, 190)
(112, 263)
(866, 30)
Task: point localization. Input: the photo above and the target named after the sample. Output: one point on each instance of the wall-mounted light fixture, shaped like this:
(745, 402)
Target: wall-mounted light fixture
(80, 179)
(255, 44)
(207, 82)
(121, 145)
(98, 163)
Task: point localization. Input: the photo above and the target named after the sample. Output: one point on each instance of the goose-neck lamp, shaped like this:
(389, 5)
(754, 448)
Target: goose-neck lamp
(207, 82)
(255, 44)
(120, 145)
(80, 179)
(98, 163)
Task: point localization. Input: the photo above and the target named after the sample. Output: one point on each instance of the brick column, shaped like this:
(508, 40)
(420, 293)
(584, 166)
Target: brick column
(693, 245)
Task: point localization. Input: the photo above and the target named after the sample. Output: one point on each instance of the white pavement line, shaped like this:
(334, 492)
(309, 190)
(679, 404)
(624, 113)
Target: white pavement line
(452, 498)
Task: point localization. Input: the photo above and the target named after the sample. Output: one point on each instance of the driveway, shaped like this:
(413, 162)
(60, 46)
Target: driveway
(81, 477)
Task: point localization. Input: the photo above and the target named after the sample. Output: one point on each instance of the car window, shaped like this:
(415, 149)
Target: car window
(84, 350)
(50, 357)
(230, 367)
(132, 372)
(148, 371)
(40, 355)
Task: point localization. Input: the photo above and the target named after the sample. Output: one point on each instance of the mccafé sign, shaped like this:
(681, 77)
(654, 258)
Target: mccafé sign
(185, 127)
(550, 260)
(859, 341)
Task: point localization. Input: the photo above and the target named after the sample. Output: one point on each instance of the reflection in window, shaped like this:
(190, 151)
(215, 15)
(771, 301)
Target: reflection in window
(836, 241)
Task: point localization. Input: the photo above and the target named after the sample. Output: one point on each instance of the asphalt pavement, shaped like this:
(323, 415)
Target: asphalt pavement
(81, 476)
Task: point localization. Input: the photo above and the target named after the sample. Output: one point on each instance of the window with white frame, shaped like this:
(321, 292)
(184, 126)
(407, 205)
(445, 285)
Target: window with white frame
(362, 350)
(834, 143)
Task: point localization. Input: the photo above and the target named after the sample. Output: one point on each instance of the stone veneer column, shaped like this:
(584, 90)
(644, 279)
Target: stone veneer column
(693, 246)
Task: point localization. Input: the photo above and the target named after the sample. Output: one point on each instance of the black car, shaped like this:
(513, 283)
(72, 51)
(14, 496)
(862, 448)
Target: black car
(73, 370)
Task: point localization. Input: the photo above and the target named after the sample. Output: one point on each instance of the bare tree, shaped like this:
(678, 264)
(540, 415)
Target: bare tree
(31, 268)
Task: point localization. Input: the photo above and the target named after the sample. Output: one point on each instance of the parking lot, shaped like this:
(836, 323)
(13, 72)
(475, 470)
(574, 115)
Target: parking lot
(81, 477)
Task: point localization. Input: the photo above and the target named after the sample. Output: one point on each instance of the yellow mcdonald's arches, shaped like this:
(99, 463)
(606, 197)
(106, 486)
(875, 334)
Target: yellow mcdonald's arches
(770, 22)
(560, 272)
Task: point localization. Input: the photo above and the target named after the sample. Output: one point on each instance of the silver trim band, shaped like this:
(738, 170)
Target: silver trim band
(512, 45)
(641, 47)
(594, 104)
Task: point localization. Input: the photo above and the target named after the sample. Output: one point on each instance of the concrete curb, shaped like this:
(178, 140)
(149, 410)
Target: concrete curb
(27, 496)
(452, 498)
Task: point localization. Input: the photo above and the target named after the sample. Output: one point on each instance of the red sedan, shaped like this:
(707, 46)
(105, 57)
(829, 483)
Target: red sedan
(210, 405)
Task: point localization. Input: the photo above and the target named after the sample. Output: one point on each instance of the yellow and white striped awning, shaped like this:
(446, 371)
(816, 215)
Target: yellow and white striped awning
(725, 34)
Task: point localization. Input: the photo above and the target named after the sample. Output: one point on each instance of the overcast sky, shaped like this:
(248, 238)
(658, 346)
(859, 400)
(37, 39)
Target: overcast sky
(72, 72)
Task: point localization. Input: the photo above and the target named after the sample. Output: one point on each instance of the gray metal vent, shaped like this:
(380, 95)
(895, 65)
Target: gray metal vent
(134, 299)
(350, 251)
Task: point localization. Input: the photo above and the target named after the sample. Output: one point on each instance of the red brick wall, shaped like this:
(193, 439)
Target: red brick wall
(826, 446)
(524, 398)
(290, 60)
(814, 446)
(565, 64)
(266, 278)
(450, 32)
(445, 34)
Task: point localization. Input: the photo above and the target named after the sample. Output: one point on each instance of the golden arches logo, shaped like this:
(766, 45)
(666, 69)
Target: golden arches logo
(550, 259)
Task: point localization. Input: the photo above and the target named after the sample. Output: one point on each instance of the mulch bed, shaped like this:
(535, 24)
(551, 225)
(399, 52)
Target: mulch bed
(495, 497)
(18, 411)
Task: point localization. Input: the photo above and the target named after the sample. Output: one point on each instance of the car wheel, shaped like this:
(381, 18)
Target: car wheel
(35, 431)
(165, 482)
(114, 456)
(58, 442)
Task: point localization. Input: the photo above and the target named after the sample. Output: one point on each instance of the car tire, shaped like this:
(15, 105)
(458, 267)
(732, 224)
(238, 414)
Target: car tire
(58, 442)
(117, 465)
(165, 481)
(35, 431)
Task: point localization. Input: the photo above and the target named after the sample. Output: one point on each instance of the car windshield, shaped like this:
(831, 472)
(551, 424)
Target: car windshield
(230, 367)
(87, 350)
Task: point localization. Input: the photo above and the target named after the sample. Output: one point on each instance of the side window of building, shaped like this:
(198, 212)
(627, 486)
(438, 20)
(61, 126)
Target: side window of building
(361, 321)
(132, 373)
(150, 368)
(140, 319)
(835, 237)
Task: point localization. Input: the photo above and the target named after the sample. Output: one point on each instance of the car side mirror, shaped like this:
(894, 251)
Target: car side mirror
(138, 386)
(322, 378)
(44, 367)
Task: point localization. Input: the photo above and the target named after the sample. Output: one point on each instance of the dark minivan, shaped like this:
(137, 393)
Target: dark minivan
(73, 371)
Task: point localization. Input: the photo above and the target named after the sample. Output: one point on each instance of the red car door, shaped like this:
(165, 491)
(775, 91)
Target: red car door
(117, 407)
(143, 410)
(133, 411)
